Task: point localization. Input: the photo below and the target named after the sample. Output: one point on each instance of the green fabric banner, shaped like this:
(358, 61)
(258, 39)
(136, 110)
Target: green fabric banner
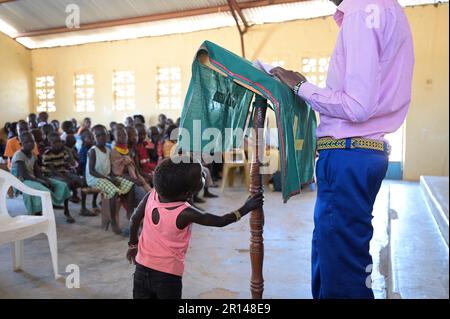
(215, 100)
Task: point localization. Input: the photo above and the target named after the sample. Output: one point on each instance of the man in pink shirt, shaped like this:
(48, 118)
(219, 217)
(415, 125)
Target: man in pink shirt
(367, 95)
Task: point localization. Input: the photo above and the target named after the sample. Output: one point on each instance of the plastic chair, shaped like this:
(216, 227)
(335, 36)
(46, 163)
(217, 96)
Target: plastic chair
(233, 160)
(15, 229)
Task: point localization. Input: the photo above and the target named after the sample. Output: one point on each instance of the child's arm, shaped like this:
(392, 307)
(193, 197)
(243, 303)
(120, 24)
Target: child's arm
(135, 223)
(193, 215)
(23, 174)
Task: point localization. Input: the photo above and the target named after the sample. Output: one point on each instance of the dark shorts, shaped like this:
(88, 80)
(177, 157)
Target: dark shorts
(153, 284)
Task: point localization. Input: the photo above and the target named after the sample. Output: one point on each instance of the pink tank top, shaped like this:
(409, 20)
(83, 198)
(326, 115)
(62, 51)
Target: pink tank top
(163, 246)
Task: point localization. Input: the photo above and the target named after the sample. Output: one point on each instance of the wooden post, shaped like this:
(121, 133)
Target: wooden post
(257, 216)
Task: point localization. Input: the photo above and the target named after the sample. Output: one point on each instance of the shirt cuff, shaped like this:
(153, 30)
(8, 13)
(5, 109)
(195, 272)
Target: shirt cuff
(307, 90)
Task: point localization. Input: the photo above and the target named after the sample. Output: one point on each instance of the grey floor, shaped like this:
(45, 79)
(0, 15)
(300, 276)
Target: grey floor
(217, 264)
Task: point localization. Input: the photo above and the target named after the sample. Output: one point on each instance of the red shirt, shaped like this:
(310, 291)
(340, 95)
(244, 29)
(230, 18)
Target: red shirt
(143, 152)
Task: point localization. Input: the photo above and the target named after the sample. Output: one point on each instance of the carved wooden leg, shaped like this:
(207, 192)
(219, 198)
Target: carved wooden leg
(257, 216)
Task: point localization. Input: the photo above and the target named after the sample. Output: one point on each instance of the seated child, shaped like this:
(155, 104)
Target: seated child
(32, 121)
(86, 124)
(170, 140)
(4, 137)
(25, 164)
(123, 164)
(87, 139)
(99, 175)
(56, 126)
(38, 139)
(121, 159)
(156, 138)
(13, 144)
(167, 217)
(56, 164)
(42, 119)
(146, 153)
(72, 152)
(112, 127)
(46, 130)
(68, 129)
(73, 167)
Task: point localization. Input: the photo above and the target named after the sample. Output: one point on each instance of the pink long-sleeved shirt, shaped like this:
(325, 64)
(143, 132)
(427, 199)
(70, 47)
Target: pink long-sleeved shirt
(368, 88)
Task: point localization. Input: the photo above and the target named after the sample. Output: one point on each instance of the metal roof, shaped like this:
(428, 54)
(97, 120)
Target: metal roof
(20, 17)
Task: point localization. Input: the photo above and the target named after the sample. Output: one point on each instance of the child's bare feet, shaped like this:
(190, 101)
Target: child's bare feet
(87, 212)
(69, 219)
(208, 194)
(198, 200)
(116, 229)
(75, 199)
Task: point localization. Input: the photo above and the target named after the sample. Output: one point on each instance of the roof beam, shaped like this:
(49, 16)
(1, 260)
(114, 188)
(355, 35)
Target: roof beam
(234, 7)
(155, 17)
(235, 11)
(5, 1)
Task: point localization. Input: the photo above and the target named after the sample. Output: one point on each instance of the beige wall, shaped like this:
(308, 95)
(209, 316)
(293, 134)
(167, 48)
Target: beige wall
(426, 138)
(427, 124)
(15, 80)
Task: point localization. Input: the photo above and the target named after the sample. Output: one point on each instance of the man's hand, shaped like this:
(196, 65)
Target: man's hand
(131, 255)
(290, 78)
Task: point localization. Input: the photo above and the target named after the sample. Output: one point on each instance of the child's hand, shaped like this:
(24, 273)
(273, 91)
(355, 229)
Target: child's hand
(47, 184)
(253, 202)
(115, 181)
(131, 255)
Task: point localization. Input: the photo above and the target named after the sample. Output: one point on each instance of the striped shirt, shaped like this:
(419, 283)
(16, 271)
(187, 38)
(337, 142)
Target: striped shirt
(57, 160)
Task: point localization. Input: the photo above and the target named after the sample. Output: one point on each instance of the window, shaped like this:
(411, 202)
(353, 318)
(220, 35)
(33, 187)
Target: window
(169, 88)
(123, 90)
(45, 92)
(315, 70)
(84, 92)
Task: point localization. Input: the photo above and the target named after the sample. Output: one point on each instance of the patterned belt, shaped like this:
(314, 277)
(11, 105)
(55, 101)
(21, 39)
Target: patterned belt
(328, 143)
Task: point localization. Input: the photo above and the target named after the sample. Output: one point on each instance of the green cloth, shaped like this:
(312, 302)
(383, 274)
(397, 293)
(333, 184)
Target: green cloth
(219, 102)
(59, 194)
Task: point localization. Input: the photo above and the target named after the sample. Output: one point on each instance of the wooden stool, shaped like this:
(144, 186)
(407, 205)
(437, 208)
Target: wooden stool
(106, 212)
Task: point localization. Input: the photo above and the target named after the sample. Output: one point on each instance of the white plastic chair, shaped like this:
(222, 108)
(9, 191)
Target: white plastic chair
(15, 229)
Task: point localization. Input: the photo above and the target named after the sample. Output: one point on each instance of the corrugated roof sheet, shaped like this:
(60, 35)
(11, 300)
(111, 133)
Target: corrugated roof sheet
(30, 15)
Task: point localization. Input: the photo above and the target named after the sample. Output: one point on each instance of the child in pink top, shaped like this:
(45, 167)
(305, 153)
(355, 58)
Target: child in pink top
(167, 216)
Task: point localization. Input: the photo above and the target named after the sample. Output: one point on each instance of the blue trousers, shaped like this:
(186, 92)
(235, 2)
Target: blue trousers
(348, 181)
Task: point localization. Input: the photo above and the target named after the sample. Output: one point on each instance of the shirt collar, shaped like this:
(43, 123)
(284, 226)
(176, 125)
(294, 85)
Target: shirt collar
(340, 11)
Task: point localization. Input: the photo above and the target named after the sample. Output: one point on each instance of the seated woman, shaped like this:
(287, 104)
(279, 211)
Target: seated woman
(25, 164)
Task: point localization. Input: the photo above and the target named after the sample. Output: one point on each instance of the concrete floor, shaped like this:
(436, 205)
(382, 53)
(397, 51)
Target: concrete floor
(217, 264)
